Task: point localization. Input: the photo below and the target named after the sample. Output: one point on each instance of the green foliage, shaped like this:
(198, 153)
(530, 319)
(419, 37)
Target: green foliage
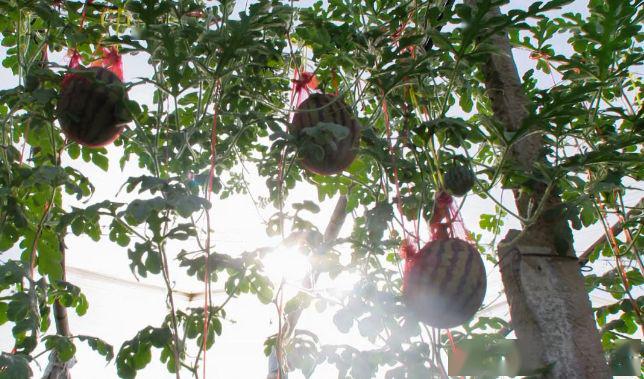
(136, 353)
(204, 57)
(14, 366)
(99, 346)
(61, 345)
(315, 140)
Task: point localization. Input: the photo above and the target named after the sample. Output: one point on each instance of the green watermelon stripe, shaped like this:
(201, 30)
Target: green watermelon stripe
(93, 106)
(435, 248)
(471, 274)
(453, 260)
(478, 290)
(307, 115)
(338, 113)
(476, 294)
(468, 266)
(320, 105)
(77, 96)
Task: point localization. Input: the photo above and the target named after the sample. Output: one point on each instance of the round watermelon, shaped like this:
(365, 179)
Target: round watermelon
(333, 154)
(91, 108)
(446, 283)
(459, 179)
(31, 81)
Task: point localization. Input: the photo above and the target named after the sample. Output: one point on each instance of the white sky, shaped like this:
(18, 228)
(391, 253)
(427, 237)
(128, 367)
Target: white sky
(120, 306)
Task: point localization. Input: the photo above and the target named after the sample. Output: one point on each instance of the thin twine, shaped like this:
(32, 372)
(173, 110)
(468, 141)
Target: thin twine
(206, 278)
(452, 344)
(84, 15)
(452, 214)
(280, 183)
(613, 242)
(385, 112)
(75, 55)
(451, 340)
(396, 36)
(610, 236)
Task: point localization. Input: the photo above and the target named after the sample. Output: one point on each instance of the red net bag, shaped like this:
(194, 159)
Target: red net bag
(302, 83)
(111, 60)
(444, 283)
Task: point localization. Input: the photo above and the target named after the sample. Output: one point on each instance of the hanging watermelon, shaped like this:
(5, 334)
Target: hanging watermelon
(445, 282)
(91, 108)
(459, 179)
(328, 134)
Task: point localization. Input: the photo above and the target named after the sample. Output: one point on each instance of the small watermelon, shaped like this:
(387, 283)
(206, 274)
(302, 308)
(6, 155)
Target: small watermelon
(335, 154)
(91, 108)
(32, 82)
(445, 284)
(459, 179)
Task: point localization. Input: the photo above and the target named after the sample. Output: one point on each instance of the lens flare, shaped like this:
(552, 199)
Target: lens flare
(286, 263)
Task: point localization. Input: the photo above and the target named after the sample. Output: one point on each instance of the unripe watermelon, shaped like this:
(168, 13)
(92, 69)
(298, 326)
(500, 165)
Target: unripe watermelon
(91, 108)
(446, 283)
(31, 82)
(337, 153)
(459, 180)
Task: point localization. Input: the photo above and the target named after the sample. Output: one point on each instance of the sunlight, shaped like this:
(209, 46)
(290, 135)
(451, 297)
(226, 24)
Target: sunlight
(286, 263)
(345, 281)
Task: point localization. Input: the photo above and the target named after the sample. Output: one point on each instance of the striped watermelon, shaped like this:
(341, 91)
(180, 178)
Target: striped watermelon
(331, 109)
(91, 107)
(459, 180)
(446, 282)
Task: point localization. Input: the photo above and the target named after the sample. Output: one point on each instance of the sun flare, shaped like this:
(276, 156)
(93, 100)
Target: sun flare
(286, 263)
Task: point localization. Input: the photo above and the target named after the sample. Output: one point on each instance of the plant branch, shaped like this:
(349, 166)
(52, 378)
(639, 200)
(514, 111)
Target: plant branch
(616, 229)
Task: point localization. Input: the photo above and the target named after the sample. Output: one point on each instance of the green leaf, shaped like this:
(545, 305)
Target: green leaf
(63, 346)
(343, 320)
(19, 306)
(152, 262)
(299, 301)
(14, 366)
(99, 346)
(307, 205)
(135, 354)
(377, 219)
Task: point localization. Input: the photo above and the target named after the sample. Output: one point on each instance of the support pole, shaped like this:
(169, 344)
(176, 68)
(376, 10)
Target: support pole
(550, 309)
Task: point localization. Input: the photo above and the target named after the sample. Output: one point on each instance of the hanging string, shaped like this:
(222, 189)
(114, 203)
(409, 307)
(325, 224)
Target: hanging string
(452, 345)
(335, 83)
(394, 164)
(612, 241)
(84, 15)
(110, 59)
(211, 177)
(213, 142)
(451, 341)
(74, 55)
(446, 220)
(298, 85)
(409, 251)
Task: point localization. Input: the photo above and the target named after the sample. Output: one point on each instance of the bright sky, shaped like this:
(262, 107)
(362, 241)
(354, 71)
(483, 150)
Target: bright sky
(120, 306)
